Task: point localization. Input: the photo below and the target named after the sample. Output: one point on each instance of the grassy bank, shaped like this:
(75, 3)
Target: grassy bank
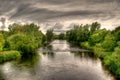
(9, 55)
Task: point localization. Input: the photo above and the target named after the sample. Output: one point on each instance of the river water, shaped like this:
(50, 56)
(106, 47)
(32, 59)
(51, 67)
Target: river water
(57, 65)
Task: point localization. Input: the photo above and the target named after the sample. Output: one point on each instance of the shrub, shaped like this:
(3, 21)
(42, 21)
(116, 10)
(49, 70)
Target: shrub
(86, 45)
(9, 55)
(2, 41)
(109, 42)
(22, 43)
(113, 62)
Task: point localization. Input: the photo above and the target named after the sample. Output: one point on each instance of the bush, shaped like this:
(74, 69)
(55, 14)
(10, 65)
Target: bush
(97, 37)
(2, 41)
(22, 43)
(9, 55)
(113, 62)
(109, 42)
(86, 45)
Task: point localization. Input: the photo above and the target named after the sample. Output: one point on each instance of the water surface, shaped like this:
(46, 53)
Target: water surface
(56, 65)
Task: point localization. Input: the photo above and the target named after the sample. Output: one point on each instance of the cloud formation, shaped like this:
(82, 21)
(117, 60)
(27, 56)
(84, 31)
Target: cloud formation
(62, 11)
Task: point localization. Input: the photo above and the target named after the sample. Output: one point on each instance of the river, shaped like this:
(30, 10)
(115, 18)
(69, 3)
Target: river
(56, 65)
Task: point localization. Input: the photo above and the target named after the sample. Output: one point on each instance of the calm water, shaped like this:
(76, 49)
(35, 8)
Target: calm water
(58, 65)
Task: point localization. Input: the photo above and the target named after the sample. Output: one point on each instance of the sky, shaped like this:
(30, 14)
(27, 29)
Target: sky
(61, 14)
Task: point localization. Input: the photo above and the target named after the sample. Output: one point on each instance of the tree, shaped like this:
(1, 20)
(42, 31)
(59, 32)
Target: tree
(49, 35)
(94, 27)
(80, 33)
(113, 62)
(109, 42)
(61, 36)
(22, 43)
(30, 30)
(97, 37)
(116, 33)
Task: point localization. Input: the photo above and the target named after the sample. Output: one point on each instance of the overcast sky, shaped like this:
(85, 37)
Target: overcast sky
(63, 12)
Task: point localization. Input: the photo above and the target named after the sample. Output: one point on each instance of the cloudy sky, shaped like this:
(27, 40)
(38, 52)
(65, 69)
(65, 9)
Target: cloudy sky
(62, 13)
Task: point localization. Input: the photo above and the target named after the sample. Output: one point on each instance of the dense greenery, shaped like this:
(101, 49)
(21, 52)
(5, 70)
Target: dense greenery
(49, 35)
(22, 43)
(9, 55)
(81, 33)
(104, 43)
(2, 41)
(23, 38)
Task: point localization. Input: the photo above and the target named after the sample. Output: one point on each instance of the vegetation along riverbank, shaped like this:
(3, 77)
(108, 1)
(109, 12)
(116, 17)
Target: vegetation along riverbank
(23, 40)
(20, 41)
(104, 43)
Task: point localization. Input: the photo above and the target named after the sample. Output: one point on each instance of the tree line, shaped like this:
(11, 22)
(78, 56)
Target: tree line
(22, 40)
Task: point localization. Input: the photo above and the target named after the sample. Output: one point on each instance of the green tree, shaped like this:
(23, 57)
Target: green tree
(94, 27)
(113, 62)
(30, 30)
(97, 37)
(116, 33)
(22, 43)
(62, 36)
(109, 42)
(49, 35)
(80, 33)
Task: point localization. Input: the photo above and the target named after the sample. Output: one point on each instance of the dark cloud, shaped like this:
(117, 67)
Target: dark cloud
(60, 10)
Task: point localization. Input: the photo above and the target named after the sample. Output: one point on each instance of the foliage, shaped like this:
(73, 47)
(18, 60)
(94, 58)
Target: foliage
(30, 30)
(94, 27)
(49, 35)
(104, 43)
(27, 38)
(61, 36)
(113, 62)
(116, 33)
(97, 37)
(24, 38)
(79, 34)
(6, 44)
(9, 55)
(109, 42)
(86, 45)
(23, 43)
(2, 41)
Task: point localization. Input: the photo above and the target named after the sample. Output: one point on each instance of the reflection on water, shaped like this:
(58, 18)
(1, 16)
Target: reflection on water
(56, 66)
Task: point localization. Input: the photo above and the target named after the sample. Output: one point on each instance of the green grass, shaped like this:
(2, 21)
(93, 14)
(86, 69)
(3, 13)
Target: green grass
(9, 55)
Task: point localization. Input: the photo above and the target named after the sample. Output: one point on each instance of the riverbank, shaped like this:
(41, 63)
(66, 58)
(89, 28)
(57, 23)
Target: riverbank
(20, 40)
(108, 60)
(104, 43)
(9, 55)
(57, 65)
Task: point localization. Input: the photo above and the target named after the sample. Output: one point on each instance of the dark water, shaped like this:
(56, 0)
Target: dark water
(58, 65)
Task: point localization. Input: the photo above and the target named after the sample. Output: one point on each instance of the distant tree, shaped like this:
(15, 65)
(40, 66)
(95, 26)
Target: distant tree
(62, 36)
(116, 33)
(79, 34)
(94, 27)
(49, 35)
